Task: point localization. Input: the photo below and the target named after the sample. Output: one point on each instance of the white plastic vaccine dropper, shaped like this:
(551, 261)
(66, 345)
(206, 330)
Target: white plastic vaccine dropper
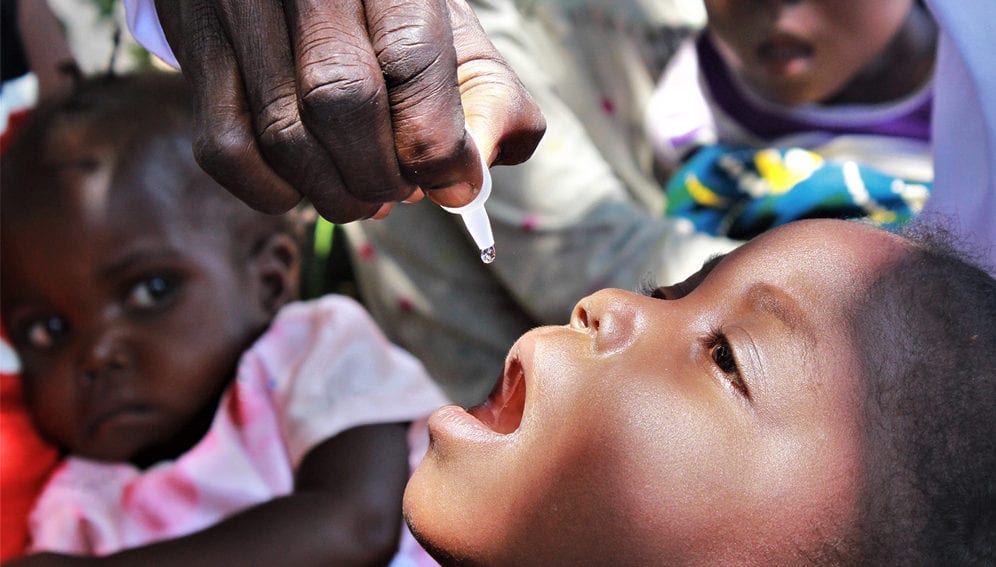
(475, 218)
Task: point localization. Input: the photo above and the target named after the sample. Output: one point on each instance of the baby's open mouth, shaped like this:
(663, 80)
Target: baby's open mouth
(502, 411)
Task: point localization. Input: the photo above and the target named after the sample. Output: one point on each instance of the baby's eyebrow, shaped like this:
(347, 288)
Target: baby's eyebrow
(766, 298)
(130, 259)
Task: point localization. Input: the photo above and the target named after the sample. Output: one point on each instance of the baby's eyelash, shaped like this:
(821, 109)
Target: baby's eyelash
(648, 285)
(723, 357)
(650, 288)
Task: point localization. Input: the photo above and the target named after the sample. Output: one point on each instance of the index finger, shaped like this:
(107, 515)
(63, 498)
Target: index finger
(343, 99)
(414, 46)
(224, 144)
(289, 146)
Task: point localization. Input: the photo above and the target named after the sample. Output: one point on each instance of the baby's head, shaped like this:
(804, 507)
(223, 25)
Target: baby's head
(810, 51)
(755, 414)
(131, 281)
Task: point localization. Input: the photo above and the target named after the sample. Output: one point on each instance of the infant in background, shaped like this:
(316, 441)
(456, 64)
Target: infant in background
(207, 416)
(786, 110)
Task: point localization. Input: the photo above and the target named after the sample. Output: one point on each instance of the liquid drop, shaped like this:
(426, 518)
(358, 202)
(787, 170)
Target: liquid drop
(488, 255)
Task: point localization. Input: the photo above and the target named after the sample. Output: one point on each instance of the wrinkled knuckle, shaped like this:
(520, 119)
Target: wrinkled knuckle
(219, 151)
(403, 70)
(279, 137)
(340, 93)
(276, 123)
(410, 49)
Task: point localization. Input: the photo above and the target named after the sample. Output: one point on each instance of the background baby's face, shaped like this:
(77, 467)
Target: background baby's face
(803, 51)
(719, 422)
(128, 319)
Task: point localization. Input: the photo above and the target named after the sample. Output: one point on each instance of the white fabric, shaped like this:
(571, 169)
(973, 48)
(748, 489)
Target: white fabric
(964, 126)
(143, 21)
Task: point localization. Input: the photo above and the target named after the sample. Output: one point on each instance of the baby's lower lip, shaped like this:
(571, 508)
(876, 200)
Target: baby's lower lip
(452, 424)
(122, 417)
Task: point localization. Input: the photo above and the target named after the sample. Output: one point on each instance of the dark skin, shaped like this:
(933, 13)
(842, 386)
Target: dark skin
(353, 105)
(156, 309)
(826, 51)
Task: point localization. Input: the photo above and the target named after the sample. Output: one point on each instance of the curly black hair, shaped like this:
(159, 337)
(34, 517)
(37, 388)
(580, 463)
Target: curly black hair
(926, 331)
(138, 126)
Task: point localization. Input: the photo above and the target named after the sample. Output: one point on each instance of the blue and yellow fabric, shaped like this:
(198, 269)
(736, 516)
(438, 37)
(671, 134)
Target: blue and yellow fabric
(741, 192)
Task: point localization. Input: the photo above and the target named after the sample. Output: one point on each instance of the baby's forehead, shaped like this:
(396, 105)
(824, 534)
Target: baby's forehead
(844, 248)
(820, 269)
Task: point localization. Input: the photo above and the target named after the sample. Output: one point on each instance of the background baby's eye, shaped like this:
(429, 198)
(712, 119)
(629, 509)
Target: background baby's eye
(676, 291)
(43, 333)
(666, 292)
(150, 292)
(659, 293)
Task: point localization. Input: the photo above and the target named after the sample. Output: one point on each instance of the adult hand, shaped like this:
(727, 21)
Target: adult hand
(353, 104)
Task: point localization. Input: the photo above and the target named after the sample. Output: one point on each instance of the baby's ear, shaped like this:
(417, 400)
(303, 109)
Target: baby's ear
(276, 264)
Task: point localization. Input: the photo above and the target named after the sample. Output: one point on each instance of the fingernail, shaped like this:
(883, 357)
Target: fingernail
(456, 195)
(382, 212)
(416, 196)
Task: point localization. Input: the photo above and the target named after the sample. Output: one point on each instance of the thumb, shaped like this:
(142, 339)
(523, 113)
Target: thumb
(465, 191)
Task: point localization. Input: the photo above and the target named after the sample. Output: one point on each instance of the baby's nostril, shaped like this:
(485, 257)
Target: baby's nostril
(582, 318)
(595, 325)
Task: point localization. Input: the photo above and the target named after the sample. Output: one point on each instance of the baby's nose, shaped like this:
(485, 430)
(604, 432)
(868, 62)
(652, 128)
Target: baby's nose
(105, 354)
(608, 316)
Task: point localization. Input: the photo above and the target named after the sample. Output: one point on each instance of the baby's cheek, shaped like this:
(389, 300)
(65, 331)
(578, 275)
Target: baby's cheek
(806, 482)
(54, 411)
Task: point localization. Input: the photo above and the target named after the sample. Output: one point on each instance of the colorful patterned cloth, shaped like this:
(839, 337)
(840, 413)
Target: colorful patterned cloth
(741, 192)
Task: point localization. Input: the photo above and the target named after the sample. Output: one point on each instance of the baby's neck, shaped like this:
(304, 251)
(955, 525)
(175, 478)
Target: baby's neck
(901, 69)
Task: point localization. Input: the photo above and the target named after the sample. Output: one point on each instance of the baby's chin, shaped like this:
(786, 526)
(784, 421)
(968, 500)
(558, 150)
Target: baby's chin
(787, 91)
(433, 528)
(447, 498)
(441, 555)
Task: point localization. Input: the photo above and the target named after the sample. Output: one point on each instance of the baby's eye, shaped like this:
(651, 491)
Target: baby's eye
(43, 333)
(665, 292)
(151, 292)
(668, 292)
(722, 355)
(682, 288)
